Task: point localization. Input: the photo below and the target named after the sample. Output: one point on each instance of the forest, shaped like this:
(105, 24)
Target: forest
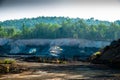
(60, 27)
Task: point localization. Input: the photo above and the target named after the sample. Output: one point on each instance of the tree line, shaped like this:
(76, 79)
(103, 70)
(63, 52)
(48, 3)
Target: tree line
(60, 27)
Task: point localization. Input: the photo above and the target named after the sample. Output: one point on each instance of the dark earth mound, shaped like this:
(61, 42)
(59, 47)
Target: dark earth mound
(109, 55)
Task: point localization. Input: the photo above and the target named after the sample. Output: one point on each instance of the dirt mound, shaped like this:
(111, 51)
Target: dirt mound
(108, 55)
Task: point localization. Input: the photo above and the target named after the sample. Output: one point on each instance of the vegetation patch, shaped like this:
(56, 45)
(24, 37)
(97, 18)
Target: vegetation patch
(10, 66)
(7, 61)
(95, 55)
(45, 60)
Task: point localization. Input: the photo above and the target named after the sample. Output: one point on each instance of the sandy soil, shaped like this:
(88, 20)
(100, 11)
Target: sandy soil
(68, 71)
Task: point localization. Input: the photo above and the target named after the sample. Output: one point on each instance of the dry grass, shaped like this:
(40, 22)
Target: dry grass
(7, 61)
(8, 65)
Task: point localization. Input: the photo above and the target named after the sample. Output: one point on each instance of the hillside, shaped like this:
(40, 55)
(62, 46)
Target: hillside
(67, 48)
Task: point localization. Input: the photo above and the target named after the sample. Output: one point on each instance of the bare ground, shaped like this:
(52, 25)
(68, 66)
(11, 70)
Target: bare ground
(68, 71)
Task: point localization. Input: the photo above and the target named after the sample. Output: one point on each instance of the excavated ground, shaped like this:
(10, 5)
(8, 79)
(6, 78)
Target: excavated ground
(69, 71)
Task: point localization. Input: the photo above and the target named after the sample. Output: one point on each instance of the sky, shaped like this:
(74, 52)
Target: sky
(99, 9)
